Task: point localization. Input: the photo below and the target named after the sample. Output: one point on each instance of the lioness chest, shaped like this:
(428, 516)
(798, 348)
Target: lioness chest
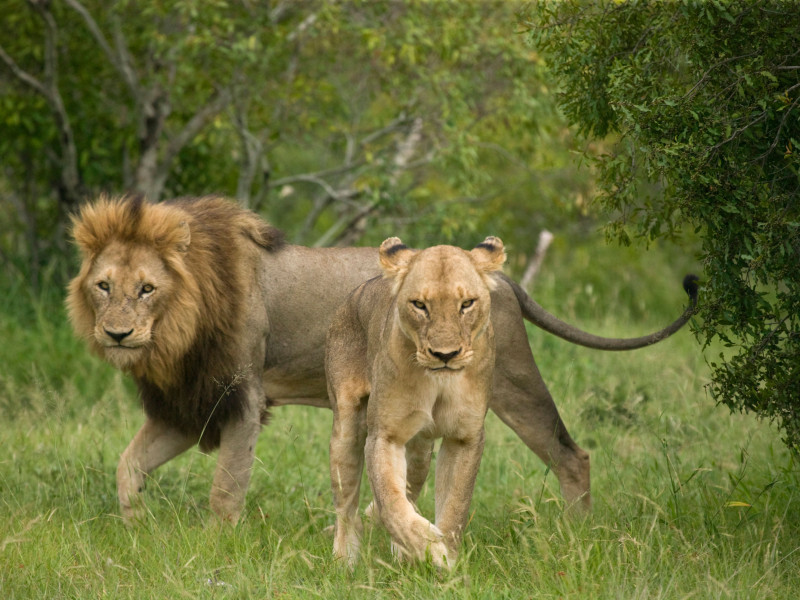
(430, 403)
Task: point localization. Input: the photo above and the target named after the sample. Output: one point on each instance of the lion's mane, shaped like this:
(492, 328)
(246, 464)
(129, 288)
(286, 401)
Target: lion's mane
(190, 375)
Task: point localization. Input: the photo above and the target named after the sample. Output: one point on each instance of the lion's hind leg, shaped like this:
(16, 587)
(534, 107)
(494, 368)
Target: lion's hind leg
(348, 436)
(529, 410)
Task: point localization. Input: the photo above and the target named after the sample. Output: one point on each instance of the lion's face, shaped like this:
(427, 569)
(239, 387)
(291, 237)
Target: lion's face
(443, 298)
(128, 288)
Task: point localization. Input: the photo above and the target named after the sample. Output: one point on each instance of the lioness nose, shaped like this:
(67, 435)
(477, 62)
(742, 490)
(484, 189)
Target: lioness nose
(445, 356)
(118, 336)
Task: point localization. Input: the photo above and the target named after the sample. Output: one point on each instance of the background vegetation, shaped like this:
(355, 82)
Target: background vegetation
(339, 122)
(345, 123)
(703, 99)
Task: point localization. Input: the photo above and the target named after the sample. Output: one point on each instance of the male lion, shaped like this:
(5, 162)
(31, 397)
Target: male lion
(419, 344)
(218, 320)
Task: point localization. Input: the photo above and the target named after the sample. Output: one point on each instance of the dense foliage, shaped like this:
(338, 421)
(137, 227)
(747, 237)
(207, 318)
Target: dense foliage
(701, 100)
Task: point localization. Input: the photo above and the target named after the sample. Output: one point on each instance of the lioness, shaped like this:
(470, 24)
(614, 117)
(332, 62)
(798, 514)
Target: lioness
(420, 345)
(217, 320)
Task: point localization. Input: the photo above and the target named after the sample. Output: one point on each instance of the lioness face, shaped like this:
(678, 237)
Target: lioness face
(128, 287)
(443, 298)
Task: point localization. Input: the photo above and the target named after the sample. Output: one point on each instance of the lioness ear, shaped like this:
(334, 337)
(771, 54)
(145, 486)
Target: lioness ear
(489, 256)
(395, 257)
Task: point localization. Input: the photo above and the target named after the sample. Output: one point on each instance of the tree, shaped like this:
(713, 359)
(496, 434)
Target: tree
(340, 122)
(700, 100)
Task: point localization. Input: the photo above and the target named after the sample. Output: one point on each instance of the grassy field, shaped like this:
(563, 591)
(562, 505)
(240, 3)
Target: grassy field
(689, 501)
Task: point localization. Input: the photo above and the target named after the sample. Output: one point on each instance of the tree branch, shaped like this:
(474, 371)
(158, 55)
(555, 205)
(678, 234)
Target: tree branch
(69, 179)
(23, 75)
(120, 59)
(195, 125)
(783, 121)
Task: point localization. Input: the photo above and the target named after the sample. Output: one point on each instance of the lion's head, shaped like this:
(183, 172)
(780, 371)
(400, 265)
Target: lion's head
(442, 297)
(156, 280)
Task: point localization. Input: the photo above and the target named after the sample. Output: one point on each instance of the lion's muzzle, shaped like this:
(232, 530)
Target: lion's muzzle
(118, 336)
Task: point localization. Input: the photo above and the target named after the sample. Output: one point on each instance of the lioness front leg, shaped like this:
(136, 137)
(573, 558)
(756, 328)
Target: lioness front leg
(153, 445)
(415, 535)
(456, 469)
(419, 451)
(234, 466)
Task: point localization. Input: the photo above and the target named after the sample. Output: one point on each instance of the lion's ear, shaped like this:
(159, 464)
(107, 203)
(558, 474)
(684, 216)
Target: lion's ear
(489, 255)
(395, 257)
(83, 237)
(184, 237)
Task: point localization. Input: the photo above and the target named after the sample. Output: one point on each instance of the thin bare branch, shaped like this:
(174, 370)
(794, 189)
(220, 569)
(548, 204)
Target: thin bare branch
(535, 263)
(48, 88)
(344, 225)
(289, 179)
(120, 60)
(22, 75)
(783, 121)
(706, 75)
(198, 121)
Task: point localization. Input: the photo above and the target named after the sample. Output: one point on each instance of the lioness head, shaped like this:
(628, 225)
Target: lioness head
(442, 297)
(132, 274)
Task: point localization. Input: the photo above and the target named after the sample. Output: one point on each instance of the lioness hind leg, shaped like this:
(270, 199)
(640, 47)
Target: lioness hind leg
(153, 445)
(348, 436)
(456, 470)
(527, 407)
(419, 451)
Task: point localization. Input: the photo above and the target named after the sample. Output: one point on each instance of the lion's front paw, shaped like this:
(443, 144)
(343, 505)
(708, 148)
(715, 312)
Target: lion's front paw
(132, 514)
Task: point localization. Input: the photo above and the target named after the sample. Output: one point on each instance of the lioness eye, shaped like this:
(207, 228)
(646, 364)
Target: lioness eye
(466, 304)
(146, 289)
(103, 285)
(418, 304)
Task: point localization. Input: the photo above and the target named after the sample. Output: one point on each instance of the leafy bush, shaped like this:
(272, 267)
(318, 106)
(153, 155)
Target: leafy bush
(702, 101)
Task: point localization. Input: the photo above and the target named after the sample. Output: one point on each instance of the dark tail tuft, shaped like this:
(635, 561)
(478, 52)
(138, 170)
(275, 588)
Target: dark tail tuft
(690, 285)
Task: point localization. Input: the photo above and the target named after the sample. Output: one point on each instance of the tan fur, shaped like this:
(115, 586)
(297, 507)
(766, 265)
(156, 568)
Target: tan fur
(420, 345)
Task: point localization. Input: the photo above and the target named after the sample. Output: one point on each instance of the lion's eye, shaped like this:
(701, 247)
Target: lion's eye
(419, 305)
(146, 289)
(103, 285)
(467, 303)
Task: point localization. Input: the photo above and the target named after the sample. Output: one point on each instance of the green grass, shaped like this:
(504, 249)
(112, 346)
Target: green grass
(689, 500)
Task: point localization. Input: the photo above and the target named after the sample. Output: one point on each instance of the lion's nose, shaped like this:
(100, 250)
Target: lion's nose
(118, 336)
(445, 356)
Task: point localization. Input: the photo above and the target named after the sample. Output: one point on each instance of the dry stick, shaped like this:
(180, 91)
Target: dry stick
(545, 238)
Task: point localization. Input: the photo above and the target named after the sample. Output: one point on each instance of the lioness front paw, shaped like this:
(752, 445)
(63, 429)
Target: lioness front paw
(441, 556)
(424, 540)
(347, 542)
